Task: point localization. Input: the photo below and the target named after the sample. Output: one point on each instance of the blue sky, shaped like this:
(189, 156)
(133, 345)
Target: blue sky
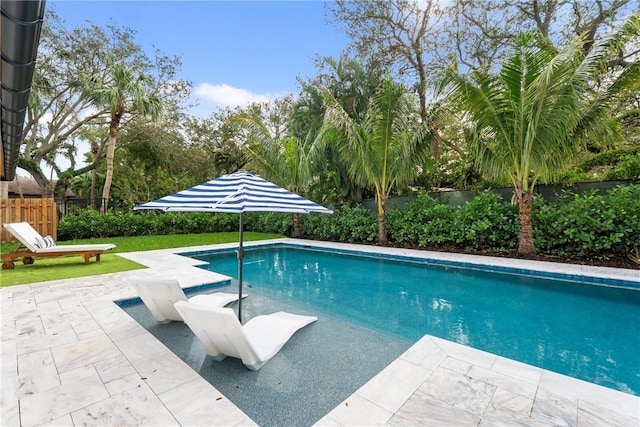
(233, 52)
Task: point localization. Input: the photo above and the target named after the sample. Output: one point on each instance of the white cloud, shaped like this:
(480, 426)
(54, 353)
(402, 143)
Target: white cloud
(224, 95)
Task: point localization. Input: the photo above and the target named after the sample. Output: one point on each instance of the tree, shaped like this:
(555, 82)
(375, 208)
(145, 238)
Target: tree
(481, 32)
(530, 120)
(220, 139)
(60, 114)
(352, 84)
(280, 157)
(383, 150)
(122, 90)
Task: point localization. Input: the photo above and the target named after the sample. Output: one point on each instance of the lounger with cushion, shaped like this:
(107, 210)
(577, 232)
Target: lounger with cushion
(33, 245)
(254, 343)
(160, 295)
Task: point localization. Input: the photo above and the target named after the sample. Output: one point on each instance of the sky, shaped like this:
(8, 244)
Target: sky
(233, 52)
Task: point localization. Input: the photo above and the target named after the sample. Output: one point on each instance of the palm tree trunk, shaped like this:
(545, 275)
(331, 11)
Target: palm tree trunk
(106, 190)
(94, 173)
(111, 151)
(525, 204)
(382, 229)
(296, 225)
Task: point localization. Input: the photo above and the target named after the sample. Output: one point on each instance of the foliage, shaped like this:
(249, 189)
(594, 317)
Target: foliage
(627, 168)
(532, 117)
(347, 224)
(486, 222)
(60, 116)
(382, 150)
(590, 224)
(270, 222)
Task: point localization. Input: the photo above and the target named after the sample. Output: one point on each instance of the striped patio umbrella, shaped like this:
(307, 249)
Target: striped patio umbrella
(238, 192)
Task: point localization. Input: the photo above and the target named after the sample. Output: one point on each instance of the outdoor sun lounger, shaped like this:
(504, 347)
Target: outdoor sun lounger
(255, 342)
(35, 246)
(159, 295)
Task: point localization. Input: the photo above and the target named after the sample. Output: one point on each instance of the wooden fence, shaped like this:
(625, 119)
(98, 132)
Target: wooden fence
(40, 213)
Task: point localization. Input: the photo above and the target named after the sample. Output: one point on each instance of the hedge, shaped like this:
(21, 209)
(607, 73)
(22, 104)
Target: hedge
(573, 225)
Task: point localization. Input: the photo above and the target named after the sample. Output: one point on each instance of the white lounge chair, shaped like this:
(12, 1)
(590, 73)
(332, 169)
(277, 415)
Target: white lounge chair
(35, 246)
(160, 295)
(255, 342)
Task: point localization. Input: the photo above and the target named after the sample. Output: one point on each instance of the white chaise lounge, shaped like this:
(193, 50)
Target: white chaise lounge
(34, 246)
(160, 295)
(255, 342)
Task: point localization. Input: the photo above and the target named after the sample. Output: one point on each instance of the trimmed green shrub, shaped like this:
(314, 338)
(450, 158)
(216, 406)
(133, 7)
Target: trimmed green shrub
(589, 224)
(486, 222)
(573, 225)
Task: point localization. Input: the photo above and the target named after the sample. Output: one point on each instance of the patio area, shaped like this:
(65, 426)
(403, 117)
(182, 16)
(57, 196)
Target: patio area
(71, 356)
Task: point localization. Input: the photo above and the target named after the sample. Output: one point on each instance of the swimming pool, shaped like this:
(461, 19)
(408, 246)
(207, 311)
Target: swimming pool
(574, 328)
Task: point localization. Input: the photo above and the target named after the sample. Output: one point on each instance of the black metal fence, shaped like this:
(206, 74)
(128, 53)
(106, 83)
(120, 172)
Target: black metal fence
(69, 205)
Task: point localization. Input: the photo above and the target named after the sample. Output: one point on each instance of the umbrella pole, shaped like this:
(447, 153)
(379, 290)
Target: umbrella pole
(240, 258)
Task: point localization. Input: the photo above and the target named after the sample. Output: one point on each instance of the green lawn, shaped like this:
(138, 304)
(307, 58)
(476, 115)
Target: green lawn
(73, 266)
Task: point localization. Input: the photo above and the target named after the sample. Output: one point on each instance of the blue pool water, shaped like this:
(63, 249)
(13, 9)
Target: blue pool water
(582, 330)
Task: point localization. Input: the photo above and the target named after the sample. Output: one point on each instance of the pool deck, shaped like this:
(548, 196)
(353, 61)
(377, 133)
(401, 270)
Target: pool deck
(71, 356)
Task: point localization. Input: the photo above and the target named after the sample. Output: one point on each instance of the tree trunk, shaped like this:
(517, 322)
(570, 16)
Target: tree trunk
(525, 204)
(296, 225)
(111, 151)
(94, 173)
(382, 229)
(106, 190)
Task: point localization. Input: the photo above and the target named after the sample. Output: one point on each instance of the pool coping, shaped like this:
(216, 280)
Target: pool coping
(71, 356)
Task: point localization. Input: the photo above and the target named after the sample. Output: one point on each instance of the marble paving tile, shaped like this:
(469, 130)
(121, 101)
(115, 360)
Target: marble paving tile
(164, 371)
(83, 352)
(555, 409)
(57, 296)
(425, 353)
(29, 344)
(394, 385)
(509, 420)
(30, 325)
(63, 421)
(79, 388)
(583, 391)
(505, 402)
(590, 414)
(133, 407)
(121, 384)
(458, 390)
(456, 365)
(8, 359)
(423, 410)
(48, 307)
(9, 409)
(140, 346)
(37, 382)
(358, 411)
(198, 403)
(114, 368)
(517, 369)
(514, 385)
(466, 354)
(24, 308)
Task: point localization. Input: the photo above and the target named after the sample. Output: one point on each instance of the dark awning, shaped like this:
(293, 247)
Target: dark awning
(21, 25)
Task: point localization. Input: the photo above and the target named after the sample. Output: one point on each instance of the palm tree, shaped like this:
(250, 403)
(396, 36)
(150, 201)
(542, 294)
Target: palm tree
(383, 150)
(284, 160)
(124, 92)
(531, 119)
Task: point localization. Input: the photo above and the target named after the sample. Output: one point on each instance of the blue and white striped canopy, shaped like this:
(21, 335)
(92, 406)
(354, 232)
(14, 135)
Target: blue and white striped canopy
(235, 193)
